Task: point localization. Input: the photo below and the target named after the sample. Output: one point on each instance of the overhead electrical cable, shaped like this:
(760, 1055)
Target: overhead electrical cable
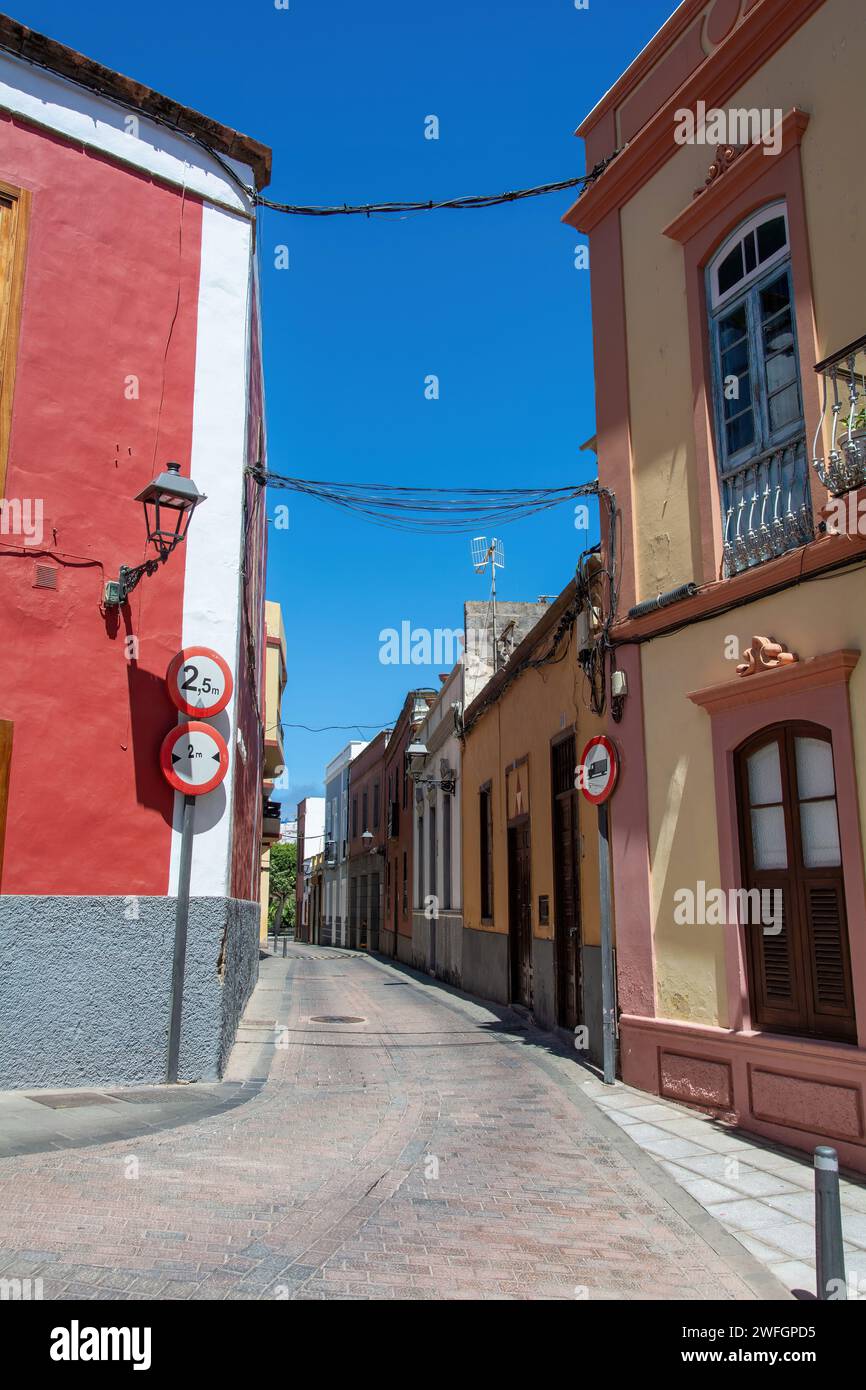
(470, 200)
(446, 510)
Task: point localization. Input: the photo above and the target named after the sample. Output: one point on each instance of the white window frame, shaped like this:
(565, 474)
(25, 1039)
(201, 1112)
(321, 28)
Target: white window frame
(764, 214)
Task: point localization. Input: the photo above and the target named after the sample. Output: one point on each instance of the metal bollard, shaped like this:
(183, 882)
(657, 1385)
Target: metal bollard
(285, 942)
(829, 1254)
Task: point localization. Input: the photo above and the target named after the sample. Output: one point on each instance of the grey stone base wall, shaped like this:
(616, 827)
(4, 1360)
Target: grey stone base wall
(386, 942)
(590, 980)
(437, 946)
(85, 988)
(404, 948)
(484, 964)
(543, 983)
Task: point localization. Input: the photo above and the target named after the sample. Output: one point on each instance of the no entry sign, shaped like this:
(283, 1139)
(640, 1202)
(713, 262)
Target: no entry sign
(199, 682)
(597, 770)
(194, 758)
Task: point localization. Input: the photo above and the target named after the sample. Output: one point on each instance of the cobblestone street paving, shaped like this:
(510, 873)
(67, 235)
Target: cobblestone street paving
(435, 1150)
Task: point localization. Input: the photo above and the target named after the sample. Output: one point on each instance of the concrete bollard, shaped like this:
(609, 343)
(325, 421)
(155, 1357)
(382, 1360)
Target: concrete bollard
(829, 1254)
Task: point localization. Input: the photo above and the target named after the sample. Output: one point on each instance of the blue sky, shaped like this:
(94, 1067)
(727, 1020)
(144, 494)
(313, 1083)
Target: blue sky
(489, 301)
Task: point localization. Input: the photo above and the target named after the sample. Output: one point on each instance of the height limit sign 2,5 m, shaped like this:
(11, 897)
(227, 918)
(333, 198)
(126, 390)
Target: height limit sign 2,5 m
(199, 682)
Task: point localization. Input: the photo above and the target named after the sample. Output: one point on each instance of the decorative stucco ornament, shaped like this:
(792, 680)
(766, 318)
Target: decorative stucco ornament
(765, 655)
(723, 159)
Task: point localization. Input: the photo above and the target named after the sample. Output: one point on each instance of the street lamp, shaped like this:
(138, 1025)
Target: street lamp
(416, 754)
(169, 502)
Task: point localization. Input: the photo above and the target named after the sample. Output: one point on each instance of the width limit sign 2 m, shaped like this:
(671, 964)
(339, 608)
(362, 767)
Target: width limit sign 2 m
(194, 758)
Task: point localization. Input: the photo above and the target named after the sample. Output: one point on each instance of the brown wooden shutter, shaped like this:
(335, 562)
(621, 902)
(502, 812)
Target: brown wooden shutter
(5, 768)
(827, 930)
(800, 977)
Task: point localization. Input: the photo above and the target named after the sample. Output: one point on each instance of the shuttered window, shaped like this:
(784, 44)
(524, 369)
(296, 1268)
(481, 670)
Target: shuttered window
(14, 209)
(446, 850)
(799, 966)
(5, 768)
(485, 828)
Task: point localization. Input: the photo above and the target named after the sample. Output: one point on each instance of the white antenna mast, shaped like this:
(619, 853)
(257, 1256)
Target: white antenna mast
(494, 556)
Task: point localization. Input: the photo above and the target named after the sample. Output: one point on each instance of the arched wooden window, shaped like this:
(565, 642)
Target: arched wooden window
(800, 975)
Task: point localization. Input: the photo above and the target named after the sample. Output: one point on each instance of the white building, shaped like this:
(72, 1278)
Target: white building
(437, 913)
(336, 873)
(437, 901)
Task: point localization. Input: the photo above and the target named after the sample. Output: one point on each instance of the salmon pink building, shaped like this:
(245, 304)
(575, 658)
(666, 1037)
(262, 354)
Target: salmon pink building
(129, 338)
(726, 243)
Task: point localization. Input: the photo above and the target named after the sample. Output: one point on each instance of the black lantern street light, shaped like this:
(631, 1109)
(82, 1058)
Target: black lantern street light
(169, 502)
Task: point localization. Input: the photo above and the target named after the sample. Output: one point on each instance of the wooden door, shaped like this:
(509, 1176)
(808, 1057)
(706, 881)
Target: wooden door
(566, 867)
(520, 912)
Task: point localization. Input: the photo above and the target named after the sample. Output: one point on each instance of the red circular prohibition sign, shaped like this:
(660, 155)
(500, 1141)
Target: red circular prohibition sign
(601, 741)
(186, 658)
(219, 758)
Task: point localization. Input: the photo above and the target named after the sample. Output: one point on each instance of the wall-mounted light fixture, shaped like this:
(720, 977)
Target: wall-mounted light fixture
(416, 755)
(169, 502)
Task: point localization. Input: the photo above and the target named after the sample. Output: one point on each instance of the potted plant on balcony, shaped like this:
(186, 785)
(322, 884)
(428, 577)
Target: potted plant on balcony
(851, 441)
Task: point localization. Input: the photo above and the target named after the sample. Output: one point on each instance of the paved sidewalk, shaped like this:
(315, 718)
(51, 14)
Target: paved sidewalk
(763, 1195)
(435, 1149)
(39, 1121)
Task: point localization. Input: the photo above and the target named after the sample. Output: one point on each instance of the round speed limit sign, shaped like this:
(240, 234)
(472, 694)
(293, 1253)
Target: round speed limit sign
(199, 682)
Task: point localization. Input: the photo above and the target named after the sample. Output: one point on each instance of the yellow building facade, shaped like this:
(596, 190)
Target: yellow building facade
(730, 271)
(530, 863)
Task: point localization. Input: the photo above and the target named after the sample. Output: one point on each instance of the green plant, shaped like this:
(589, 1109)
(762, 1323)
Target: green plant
(858, 420)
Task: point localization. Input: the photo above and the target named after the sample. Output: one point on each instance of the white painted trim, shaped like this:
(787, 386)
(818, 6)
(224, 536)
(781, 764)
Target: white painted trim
(213, 548)
(97, 122)
(764, 214)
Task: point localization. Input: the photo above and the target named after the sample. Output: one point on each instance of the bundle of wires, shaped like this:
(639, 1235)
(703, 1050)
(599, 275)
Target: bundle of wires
(451, 510)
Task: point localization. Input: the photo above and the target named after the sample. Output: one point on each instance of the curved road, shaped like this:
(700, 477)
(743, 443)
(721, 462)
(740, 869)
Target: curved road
(437, 1149)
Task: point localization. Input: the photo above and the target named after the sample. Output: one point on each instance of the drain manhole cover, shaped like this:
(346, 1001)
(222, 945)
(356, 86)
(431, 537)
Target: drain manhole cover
(336, 1018)
(69, 1100)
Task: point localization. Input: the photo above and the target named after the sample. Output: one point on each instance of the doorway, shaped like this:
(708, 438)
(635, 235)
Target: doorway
(520, 912)
(566, 872)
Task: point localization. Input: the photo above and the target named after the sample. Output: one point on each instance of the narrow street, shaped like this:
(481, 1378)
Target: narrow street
(429, 1149)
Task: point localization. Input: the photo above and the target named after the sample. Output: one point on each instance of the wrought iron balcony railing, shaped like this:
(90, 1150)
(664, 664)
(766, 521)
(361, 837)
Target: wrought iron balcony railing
(766, 507)
(839, 450)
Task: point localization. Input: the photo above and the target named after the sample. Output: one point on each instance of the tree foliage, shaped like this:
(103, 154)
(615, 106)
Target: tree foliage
(284, 868)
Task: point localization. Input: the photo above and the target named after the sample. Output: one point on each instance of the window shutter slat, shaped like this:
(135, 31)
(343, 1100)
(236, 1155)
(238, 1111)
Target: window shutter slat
(778, 997)
(825, 915)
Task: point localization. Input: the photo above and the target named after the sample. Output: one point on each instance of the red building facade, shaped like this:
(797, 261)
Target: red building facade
(396, 932)
(132, 339)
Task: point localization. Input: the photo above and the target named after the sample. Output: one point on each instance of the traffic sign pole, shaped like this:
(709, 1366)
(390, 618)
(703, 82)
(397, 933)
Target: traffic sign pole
(181, 930)
(608, 990)
(596, 776)
(196, 768)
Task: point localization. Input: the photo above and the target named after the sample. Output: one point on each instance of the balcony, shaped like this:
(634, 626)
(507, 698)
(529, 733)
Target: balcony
(766, 507)
(330, 853)
(275, 757)
(839, 450)
(270, 822)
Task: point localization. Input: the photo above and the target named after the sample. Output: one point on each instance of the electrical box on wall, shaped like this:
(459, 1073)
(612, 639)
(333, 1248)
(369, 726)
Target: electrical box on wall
(618, 684)
(581, 631)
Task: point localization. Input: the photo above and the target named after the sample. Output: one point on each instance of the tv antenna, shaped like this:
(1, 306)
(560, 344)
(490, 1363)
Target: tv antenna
(494, 556)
